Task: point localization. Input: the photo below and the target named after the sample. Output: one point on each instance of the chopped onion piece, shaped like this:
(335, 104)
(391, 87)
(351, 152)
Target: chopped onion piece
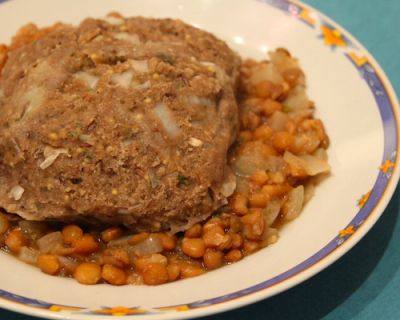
(153, 180)
(307, 141)
(50, 155)
(158, 258)
(208, 64)
(199, 101)
(220, 73)
(33, 229)
(140, 66)
(89, 79)
(250, 159)
(300, 114)
(34, 97)
(141, 86)
(294, 203)
(309, 190)
(150, 245)
(242, 185)
(297, 100)
(278, 121)
(16, 192)
(131, 38)
(68, 264)
(246, 164)
(271, 212)
(296, 165)
(229, 185)
(265, 72)
(115, 21)
(270, 236)
(283, 61)
(50, 241)
(162, 112)
(314, 165)
(28, 255)
(194, 142)
(310, 164)
(123, 211)
(321, 154)
(123, 79)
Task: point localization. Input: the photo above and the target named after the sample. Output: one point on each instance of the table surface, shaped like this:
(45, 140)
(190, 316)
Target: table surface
(365, 283)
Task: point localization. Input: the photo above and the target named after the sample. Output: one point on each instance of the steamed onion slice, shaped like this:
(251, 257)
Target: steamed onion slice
(306, 164)
(294, 204)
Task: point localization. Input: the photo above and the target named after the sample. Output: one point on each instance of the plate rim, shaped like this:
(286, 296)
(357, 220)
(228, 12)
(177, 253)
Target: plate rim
(373, 215)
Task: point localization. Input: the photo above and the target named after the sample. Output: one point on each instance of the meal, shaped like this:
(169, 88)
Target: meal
(143, 151)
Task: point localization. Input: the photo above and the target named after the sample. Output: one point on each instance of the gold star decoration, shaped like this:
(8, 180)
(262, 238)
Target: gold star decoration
(57, 308)
(359, 61)
(386, 166)
(305, 15)
(119, 311)
(363, 200)
(332, 37)
(346, 232)
(177, 308)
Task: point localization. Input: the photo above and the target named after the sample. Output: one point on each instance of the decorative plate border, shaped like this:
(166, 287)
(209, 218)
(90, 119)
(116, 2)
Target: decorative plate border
(334, 38)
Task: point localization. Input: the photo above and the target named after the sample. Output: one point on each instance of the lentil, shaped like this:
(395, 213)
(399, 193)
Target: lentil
(174, 271)
(269, 106)
(88, 273)
(238, 203)
(194, 232)
(168, 241)
(48, 263)
(15, 240)
(260, 177)
(111, 234)
(233, 256)
(282, 141)
(155, 273)
(190, 270)
(71, 233)
(113, 275)
(213, 259)
(86, 244)
(193, 247)
(118, 257)
(264, 89)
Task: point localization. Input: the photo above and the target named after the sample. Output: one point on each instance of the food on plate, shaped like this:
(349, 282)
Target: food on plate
(143, 151)
(118, 121)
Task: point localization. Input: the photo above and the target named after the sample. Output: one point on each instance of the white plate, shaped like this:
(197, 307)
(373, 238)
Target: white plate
(353, 98)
